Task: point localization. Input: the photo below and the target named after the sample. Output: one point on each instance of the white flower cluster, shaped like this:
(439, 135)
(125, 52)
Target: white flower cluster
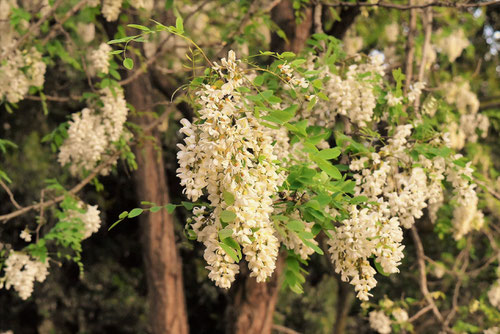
(380, 322)
(415, 91)
(352, 96)
(466, 215)
(402, 189)
(99, 59)
(91, 133)
(492, 330)
(453, 44)
(111, 9)
(292, 241)
(494, 294)
(367, 232)
(227, 150)
(465, 130)
(148, 5)
(90, 219)
(19, 71)
(21, 272)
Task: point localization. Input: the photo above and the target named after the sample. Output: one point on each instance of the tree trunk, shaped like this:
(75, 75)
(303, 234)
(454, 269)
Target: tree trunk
(252, 304)
(297, 34)
(167, 309)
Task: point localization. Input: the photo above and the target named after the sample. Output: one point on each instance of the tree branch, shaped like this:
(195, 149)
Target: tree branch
(422, 273)
(410, 48)
(11, 196)
(411, 6)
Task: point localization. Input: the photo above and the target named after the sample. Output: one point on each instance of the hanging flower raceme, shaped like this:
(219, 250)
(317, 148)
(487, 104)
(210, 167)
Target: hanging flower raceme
(92, 131)
(227, 156)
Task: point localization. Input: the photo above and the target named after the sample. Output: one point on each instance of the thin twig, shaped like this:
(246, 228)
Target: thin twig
(60, 22)
(410, 47)
(160, 50)
(490, 190)
(11, 195)
(422, 273)
(41, 218)
(420, 313)
(33, 30)
(411, 6)
(283, 329)
(61, 99)
(58, 199)
(427, 23)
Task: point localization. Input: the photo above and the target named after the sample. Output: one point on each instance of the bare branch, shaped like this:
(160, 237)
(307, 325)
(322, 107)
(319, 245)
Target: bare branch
(60, 22)
(422, 273)
(420, 313)
(410, 47)
(11, 196)
(412, 6)
(283, 329)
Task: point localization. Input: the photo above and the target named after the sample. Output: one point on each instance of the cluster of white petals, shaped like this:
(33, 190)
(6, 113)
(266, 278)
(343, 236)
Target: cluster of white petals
(367, 232)
(99, 59)
(148, 5)
(380, 322)
(352, 96)
(227, 150)
(466, 216)
(494, 294)
(111, 9)
(91, 133)
(19, 71)
(400, 315)
(453, 44)
(21, 271)
(458, 93)
(492, 330)
(89, 219)
(292, 241)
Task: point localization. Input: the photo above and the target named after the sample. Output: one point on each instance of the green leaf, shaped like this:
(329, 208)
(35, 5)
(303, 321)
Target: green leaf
(135, 212)
(228, 198)
(329, 153)
(137, 26)
(116, 52)
(229, 251)
(313, 246)
(155, 208)
(327, 168)
(188, 205)
(123, 215)
(122, 40)
(227, 216)
(259, 80)
(170, 208)
(179, 24)
(295, 225)
(225, 233)
(128, 63)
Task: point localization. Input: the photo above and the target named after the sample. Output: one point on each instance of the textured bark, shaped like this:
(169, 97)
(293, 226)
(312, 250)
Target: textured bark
(345, 299)
(167, 309)
(252, 304)
(297, 34)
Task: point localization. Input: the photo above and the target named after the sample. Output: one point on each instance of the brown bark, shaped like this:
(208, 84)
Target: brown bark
(252, 304)
(167, 309)
(297, 34)
(345, 299)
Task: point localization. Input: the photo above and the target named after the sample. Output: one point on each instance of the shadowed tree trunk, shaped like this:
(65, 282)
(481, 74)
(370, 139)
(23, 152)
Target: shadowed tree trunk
(252, 304)
(297, 34)
(167, 309)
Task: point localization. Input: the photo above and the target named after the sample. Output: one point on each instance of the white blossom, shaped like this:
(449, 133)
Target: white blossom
(21, 272)
(111, 9)
(99, 59)
(380, 322)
